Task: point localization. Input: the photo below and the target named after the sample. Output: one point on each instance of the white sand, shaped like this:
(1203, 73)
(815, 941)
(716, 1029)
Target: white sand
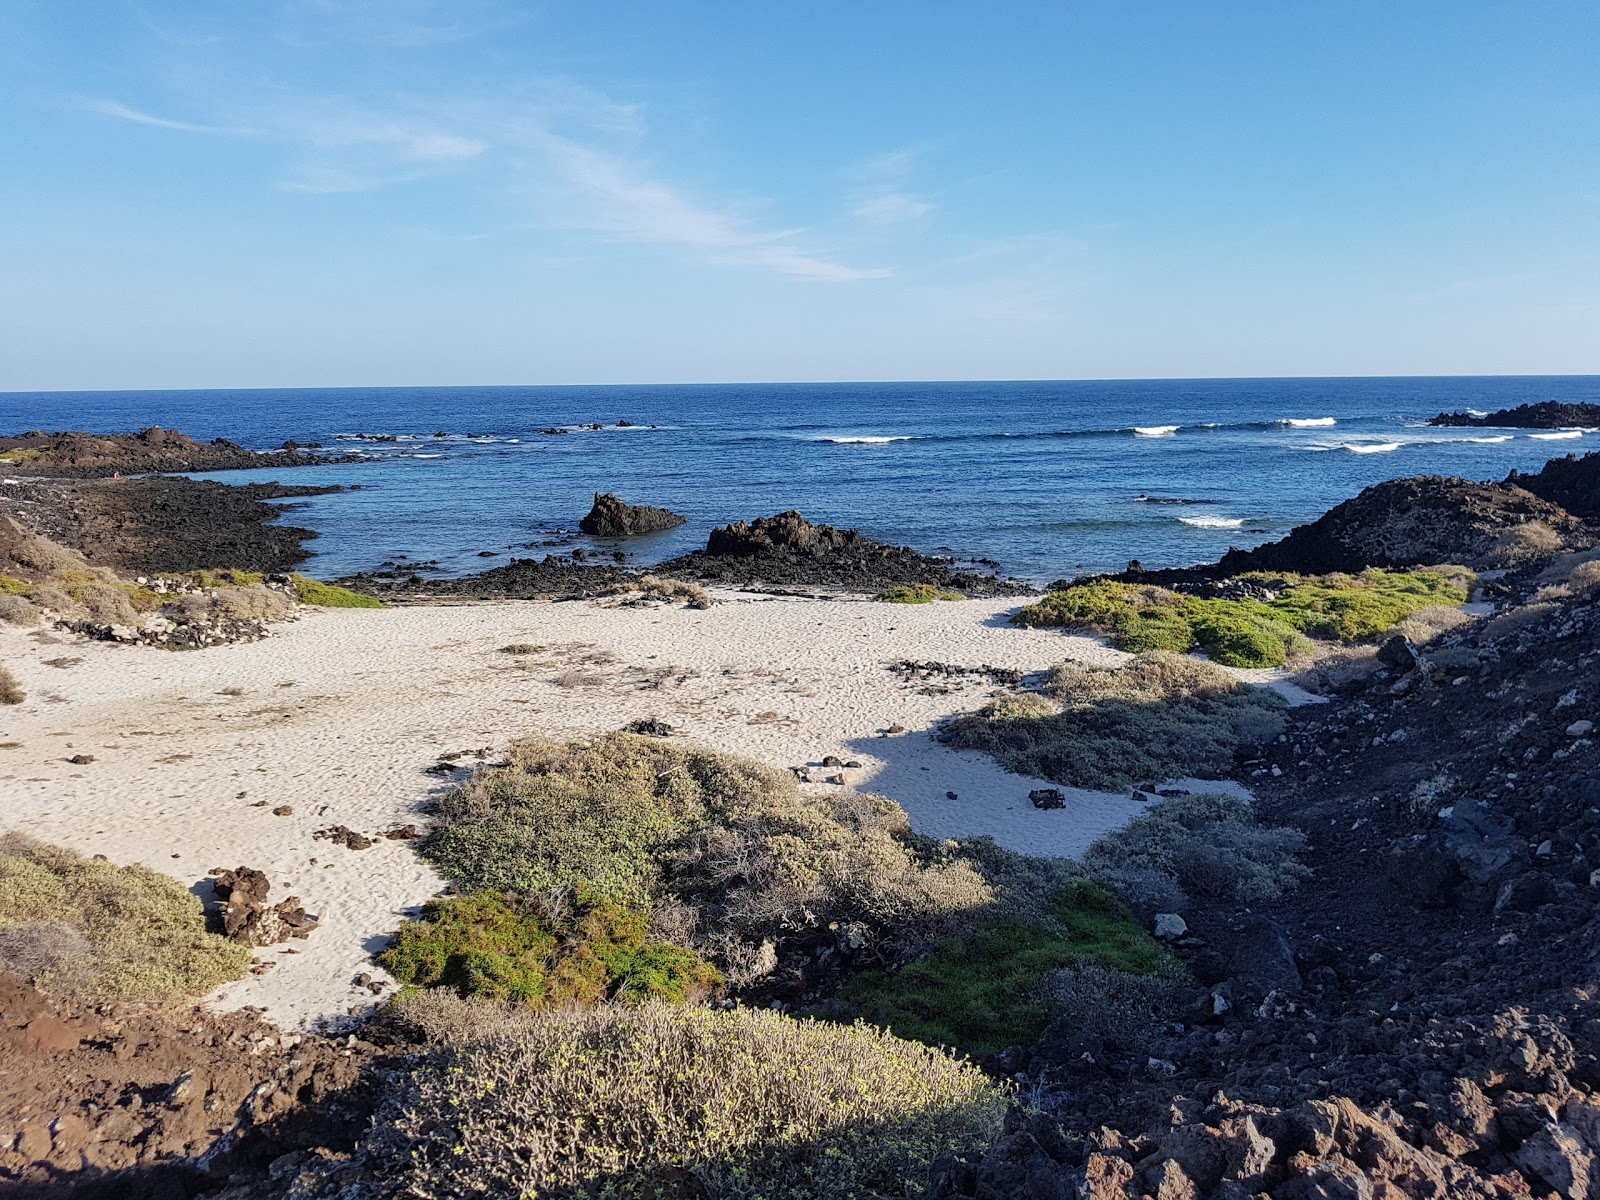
(341, 712)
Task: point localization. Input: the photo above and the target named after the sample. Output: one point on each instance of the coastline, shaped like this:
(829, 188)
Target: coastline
(342, 712)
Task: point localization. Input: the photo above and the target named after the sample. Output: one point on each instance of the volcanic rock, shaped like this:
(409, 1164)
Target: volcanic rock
(611, 518)
(1548, 414)
(86, 455)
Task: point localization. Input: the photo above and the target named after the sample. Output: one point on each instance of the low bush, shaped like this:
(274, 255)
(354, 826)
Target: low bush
(146, 934)
(558, 952)
(659, 1101)
(224, 577)
(1160, 716)
(1523, 544)
(649, 588)
(981, 992)
(735, 845)
(917, 593)
(1108, 1005)
(1199, 846)
(1249, 632)
(329, 595)
(10, 690)
(19, 610)
(520, 648)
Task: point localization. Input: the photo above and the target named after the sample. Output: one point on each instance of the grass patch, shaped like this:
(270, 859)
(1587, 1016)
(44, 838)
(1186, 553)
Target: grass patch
(661, 1101)
(1161, 716)
(917, 593)
(583, 952)
(1250, 632)
(94, 930)
(224, 577)
(982, 993)
(19, 455)
(329, 595)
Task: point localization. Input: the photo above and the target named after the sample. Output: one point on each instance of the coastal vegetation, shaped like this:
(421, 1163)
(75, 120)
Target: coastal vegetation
(85, 928)
(329, 595)
(10, 690)
(918, 593)
(543, 953)
(982, 992)
(1250, 631)
(658, 1100)
(1161, 715)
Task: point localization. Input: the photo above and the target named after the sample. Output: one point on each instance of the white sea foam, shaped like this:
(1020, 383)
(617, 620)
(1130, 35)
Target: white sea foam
(1557, 437)
(1154, 430)
(1213, 522)
(1492, 441)
(1476, 412)
(426, 456)
(1371, 447)
(1308, 422)
(867, 441)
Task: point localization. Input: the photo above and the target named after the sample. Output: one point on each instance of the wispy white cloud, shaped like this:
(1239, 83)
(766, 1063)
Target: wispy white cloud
(880, 195)
(110, 108)
(643, 210)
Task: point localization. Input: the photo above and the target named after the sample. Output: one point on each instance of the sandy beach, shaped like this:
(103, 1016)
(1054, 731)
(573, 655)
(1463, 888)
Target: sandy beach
(340, 713)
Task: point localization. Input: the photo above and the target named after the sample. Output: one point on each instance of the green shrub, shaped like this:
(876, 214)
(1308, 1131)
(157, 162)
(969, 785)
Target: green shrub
(328, 595)
(224, 577)
(146, 934)
(1101, 1002)
(1206, 846)
(1250, 633)
(917, 593)
(1160, 716)
(582, 952)
(981, 993)
(658, 1101)
(641, 821)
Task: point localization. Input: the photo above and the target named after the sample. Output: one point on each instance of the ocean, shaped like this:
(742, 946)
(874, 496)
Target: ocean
(1051, 479)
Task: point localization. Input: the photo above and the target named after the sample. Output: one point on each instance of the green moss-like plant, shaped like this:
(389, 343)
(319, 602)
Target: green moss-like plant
(329, 595)
(981, 993)
(917, 593)
(1248, 632)
(491, 945)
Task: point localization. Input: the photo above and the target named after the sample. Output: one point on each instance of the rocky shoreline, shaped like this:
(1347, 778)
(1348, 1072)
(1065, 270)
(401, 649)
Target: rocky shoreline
(1547, 414)
(78, 455)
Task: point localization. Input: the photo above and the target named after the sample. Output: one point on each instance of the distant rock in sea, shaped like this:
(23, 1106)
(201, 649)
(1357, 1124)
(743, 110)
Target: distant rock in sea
(1546, 415)
(610, 517)
(76, 454)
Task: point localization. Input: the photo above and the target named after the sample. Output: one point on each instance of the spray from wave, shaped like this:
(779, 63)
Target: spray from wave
(1213, 522)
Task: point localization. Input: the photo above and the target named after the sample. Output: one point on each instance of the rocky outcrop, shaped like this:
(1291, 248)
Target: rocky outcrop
(787, 550)
(86, 455)
(1571, 482)
(1422, 521)
(1548, 414)
(248, 919)
(162, 524)
(611, 518)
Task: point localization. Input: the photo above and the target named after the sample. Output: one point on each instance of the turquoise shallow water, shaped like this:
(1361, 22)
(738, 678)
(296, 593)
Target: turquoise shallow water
(1049, 478)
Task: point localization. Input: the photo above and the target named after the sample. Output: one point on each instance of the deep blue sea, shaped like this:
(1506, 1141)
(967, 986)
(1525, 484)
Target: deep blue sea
(1051, 479)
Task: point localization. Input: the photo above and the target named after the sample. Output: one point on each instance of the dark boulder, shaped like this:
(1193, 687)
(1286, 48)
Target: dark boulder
(787, 532)
(610, 517)
(1549, 414)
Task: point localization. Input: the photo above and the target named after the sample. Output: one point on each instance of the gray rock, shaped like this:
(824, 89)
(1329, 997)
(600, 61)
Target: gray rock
(1170, 925)
(1580, 729)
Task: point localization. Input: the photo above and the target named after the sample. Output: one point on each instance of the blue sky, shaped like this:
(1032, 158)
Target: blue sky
(339, 192)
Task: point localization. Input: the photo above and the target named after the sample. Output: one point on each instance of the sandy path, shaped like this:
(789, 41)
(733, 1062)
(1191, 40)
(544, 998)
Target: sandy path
(339, 714)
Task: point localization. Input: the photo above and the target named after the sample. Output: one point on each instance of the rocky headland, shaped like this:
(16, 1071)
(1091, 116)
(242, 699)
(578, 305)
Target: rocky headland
(80, 455)
(1547, 414)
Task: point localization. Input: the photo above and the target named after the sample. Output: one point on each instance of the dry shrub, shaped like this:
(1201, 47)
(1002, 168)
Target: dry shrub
(1522, 544)
(443, 1017)
(252, 602)
(1205, 846)
(665, 1101)
(1109, 1005)
(52, 600)
(40, 556)
(654, 588)
(1422, 627)
(47, 952)
(10, 690)
(19, 610)
(107, 605)
(641, 820)
(1338, 669)
(1585, 576)
(1160, 716)
(147, 934)
(1513, 621)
